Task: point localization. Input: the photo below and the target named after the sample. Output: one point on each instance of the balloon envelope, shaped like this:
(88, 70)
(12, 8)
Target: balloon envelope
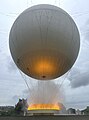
(44, 42)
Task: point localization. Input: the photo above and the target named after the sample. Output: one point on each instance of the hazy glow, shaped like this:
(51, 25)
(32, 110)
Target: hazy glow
(44, 67)
(44, 107)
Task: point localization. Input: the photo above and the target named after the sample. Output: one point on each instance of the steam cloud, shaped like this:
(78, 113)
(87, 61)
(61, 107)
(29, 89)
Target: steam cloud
(45, 92)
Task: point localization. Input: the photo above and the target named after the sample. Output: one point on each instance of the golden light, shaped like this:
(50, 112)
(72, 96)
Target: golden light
(44, 107)
(44, 67)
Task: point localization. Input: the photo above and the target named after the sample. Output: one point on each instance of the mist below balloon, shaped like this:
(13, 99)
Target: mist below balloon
(45, 92)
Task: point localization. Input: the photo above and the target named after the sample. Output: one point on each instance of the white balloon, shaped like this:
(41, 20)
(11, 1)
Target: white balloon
(44, 42)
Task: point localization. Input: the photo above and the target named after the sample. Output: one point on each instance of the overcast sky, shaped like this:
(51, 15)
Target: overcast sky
(76, 84)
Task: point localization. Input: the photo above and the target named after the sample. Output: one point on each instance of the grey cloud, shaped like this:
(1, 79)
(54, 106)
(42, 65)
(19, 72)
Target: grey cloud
(80, 80)
(73, 73)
